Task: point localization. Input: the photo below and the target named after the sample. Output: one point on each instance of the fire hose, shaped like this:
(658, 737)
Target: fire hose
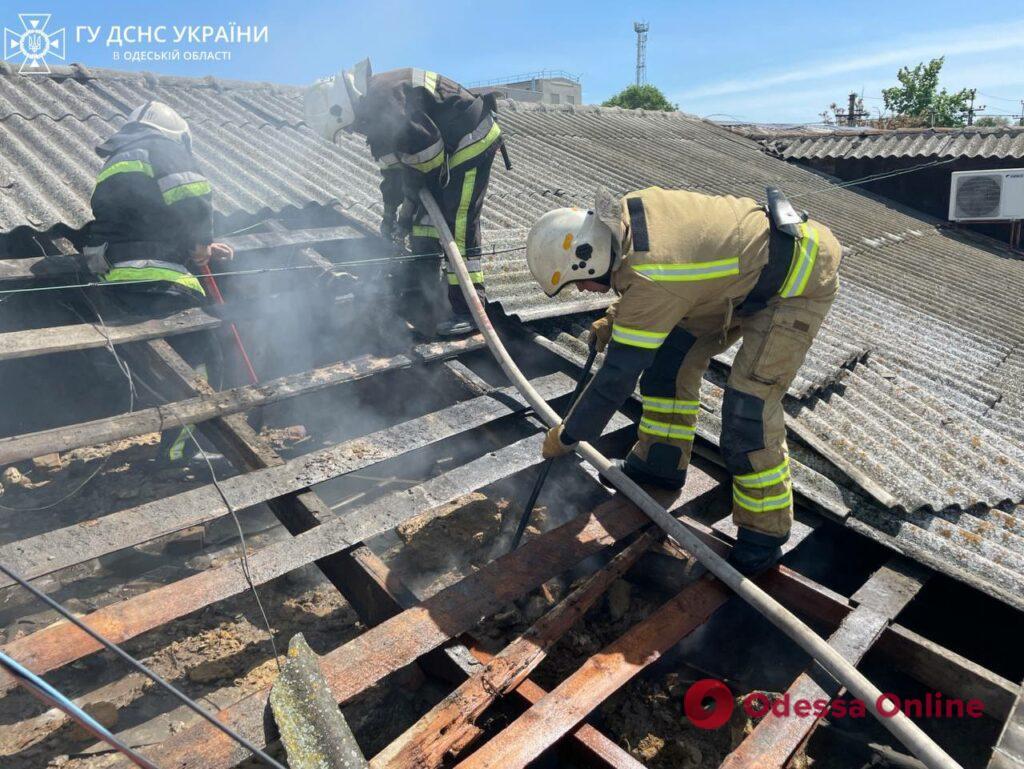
(905, 730)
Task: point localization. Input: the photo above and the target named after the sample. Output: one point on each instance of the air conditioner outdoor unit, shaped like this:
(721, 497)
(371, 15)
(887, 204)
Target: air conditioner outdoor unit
(996, 195)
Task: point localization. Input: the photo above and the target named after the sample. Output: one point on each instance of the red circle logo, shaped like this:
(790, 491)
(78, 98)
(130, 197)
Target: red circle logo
(708, 703)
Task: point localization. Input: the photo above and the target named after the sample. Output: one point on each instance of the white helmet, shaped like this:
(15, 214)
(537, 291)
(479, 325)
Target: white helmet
(156, 114)
(567, 245)
(330, 104)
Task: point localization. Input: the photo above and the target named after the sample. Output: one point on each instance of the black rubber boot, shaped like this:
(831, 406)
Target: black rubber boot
(456, 325)
(755, 551)
(644, 478)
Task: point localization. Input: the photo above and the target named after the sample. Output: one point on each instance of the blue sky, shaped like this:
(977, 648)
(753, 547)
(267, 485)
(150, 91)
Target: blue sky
(753, 61)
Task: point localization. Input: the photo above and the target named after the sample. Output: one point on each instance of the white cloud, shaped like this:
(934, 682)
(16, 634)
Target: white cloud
(966, 40)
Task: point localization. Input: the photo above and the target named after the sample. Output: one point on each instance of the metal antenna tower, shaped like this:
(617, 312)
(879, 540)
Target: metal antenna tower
(641, 27)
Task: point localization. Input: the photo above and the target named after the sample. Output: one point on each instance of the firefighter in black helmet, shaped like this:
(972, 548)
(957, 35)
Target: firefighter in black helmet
(423, 129)
(152, 222)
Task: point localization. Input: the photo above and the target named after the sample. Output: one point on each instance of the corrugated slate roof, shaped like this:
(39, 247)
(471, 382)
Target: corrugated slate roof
(914, 385)
(249, 139)
(1002, 143)
(981, 546)
(928, 308)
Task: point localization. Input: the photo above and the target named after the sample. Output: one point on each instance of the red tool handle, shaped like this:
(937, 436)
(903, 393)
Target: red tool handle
(211, 286)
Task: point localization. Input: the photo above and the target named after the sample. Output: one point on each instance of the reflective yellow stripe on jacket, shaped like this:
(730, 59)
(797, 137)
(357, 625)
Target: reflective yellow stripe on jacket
(634, 337)
(471, 146)
(121, 273)
(805, 251)
(125, 167)
(674, 273)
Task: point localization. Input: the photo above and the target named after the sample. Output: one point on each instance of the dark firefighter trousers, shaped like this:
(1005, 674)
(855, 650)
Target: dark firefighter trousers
(461, 201)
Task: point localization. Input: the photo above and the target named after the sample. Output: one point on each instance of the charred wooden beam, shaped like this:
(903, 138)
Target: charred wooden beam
(49, 552)
(450, 725)
(402, 639)
(599, 677)
(1009, 750)
(590, 745)
(774, 740)
(87, 336)
(20, 270)
(431, 350)
(62, 643)
(193, 410)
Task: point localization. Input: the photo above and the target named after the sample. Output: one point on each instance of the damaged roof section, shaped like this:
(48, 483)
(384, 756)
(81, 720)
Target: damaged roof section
(980, 546)
(914, 382)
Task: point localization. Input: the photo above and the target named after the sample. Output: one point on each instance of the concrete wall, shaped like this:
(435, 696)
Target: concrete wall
(542, 90)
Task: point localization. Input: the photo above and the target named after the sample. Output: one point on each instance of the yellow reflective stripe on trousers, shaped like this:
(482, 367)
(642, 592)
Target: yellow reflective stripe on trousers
(424, 231)
(648, 340)
(192, 190)
(765, 478)
(475, 277)
(476, 148)
(669, 405)
(152, 275)
(462, 214)
(776, 502)
(676, 273)
(177, 449)
(805, 251)
(667, 430)
(125, 167)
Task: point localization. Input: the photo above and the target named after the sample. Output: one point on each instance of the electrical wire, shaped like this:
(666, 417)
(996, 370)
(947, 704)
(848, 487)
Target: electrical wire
(257, 271)
(243, 545)
(126, 657)
(872, 178)
(51, 696)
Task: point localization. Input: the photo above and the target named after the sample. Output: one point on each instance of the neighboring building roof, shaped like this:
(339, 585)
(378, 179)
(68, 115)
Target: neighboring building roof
(929, 414)
(1003, 143)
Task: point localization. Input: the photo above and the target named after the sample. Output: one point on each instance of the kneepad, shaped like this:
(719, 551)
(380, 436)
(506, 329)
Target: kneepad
(742, 429)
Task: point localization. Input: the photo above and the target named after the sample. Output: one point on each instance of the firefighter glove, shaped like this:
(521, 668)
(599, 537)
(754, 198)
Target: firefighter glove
(553, 445)
(601, 332)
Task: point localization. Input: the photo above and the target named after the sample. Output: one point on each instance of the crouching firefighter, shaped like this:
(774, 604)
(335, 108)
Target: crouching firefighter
(152, 220)
(424, 130)
(693, 274)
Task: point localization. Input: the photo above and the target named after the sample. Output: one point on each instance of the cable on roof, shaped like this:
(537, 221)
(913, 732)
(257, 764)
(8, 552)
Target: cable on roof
(51, 696)
(872, 178)
(117, 650)
(258, 271)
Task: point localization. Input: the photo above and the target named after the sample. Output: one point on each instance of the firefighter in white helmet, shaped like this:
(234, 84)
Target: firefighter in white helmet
(694, 273)
(423, 129)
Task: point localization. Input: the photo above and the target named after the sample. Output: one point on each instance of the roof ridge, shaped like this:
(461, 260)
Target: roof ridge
(81, 72)
(531, 106)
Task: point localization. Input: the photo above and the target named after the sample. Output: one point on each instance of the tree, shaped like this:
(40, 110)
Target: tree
(991, 121)
(917, 100)
(641, 97)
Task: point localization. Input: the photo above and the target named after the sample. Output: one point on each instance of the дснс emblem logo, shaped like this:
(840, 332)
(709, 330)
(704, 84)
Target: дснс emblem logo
(33, 43)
